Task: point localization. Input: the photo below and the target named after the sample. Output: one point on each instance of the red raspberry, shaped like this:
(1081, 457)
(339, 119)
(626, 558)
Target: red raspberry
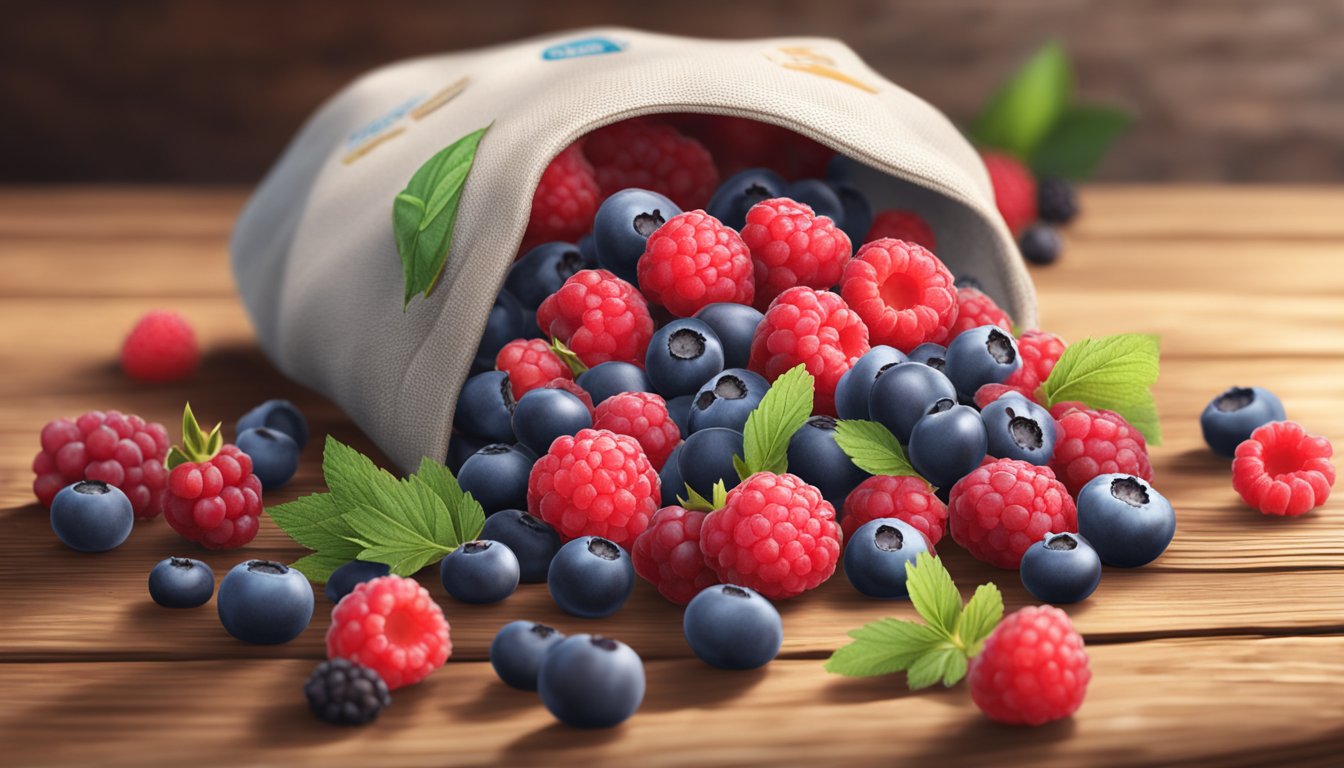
(898, 224)
(975, 309)
(160, 348)
(650, 155)
(775, 534)
(903, 293)
(643, 416)
(1039, 351)
(815, 328)
(790, 245)
(1282, 470)
(120, 450)
(909, 499)
(574, 389)
(599, 316)
(667, 555)
(212, 498)
(530, 363)
(565, 202)
(1095, 442)
(392, 626)
(1014, 190)
(1032, 670)
(596, 483)
(693, 260)
(988, 393)
(1003, 507)
(739, 143)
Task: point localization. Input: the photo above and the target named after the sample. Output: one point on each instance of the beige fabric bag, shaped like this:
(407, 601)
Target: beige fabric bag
(314, 253)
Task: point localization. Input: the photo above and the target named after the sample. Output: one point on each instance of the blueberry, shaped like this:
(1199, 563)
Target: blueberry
(588, 250)
(735, 325)
(851, 394)
(533, 542)
(840, 168)
(180, 582)
(707, 457)
(679, 408)
(819, 196)
(930, 354)
(541, 271)
(968, 281)
(669, 478)
(1125, 520)
(496, 476)
(1230, 418)
(979, 356)
(902, 395)
(280, 415)
(485, 407)
(726, 400)
(461, 446)
(858, 212)
(1056, 200)
(683, 355)
(265, 602)
(1019, 429)
(948, 443)
(590, 681)
(591, 577)
(275, 456)
(504, 324)
(612, 378)
(739, 192)
(544, 414)
(622, 226)
(818, 460)
(876, 555)
(480, 572)
(517, 651)
(343, 580)
(92, 516)
(1040, 244)
(732, 627)
(1061, 568)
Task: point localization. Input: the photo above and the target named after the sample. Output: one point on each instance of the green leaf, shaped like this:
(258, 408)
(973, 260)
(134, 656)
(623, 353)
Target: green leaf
(872, 448)
(1113, 372)
(982, 613)
(740, 467)
(720, 493)
(175, 457)
(933, 593)
(316, 522)
(464, 512)
(193, 440)
(1024, 110)
(944, 663)
(1078, 141)
(882, 648)
(782, 411)
(694, 501)
(424, 213)
(569, 357)
(318, 566)
(400, 541)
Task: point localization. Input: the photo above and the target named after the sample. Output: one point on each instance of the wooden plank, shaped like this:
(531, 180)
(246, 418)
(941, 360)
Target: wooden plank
(1214, 212)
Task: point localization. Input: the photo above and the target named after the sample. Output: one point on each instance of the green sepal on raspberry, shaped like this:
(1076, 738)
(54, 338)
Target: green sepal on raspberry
(197, 445)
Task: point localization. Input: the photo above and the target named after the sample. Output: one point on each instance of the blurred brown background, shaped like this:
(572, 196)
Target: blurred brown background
(205, 92)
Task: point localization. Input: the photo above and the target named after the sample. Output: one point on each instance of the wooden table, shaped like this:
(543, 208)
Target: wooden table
(1228, 650)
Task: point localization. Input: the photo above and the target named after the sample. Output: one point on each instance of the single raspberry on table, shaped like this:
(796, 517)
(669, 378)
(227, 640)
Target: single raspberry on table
(643, 416)
(898, 224)
(693, 260)
(648, 154)
(212, 498)
(903, 293)
(975, 309)
(1040, 350)
(1014, 190)
(814, 328)
(1095, 442)
(392, 626)
(160, 348)
(906, 498)
(530, 363)
(1033, 668)
(565, 202)
(119, 449)
(1282, 470)
(667, 555)
(599, 316)
(596, 483)
(775, 534)
(1004, 506)
(790, 246)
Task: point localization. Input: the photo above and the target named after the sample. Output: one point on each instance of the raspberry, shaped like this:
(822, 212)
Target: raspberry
(903, 293)
(1040, 351)
(530, 363)
(120, 450)
(909, 499)
(160, 348)
(667, 555)
(790, 245)
(596, 483)
(1282, 470)
(1003, 507)
(815, 328)
(693, 260)
(392, 626)
(897, 224)
(1032, 670)
(739, 143)
(212, 498)
(1095, 442)
(643, 416)
(344, 693)
(988, 393)
(1014, 190)
(975, 309)
(775, 534)
(599, 316)
(650, 155)
(565, 202)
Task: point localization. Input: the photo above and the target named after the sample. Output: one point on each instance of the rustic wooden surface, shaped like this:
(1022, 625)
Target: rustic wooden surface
(1227, 651)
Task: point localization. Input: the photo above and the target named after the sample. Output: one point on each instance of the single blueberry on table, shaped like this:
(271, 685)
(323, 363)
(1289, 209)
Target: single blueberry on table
(485, 407)
(591, 577)
(903, 393)
(1230, 418)
(1019, 429)
(622, 227)
(590, 681)
(542, 415)
(612, 378)
(343, 580)
(497, 475)
(876, 556)
(91, 516)
(948, 443)
(852, 393)
(816, 457)
(280, 415)
(274, 454)
(739, 192)
(533, 542)
(707, 457)
(1125, 520)
(735, 325)
(1061, 568)
(732, 627)
(518, 649)
(264, 602)
(480, 572)
(1040, 244)
(727, 399)
(979, 356)
(682, 356)
(181, 582)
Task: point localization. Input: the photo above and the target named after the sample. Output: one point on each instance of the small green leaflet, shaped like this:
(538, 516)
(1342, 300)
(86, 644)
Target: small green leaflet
(1078, 141)
(694, 501)
(872, 448)
(1112, 372)
(931, 652)
(197, 445)
(424, 212)
(1023, 111)
(569, 357)
(783, 411)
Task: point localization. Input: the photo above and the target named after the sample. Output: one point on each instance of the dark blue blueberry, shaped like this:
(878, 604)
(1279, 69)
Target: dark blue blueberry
(275, 456)
(180, 582)
(496, 476)
(820, 197)
(948, 443)
(669, 478)
(343, 580)
(930, 354)
(858, 212)
(726, 400)
(1231, 417)
(460, 448)
(732, 627)
(980, 356)
(480, 572)
(818, 460)
(485, 408)
(1125, 519)
(504, 324)
(517, 651)
(735, 325)
(707, 457)
(1040, 244)
(840, 168)
(545, 414)
(876, 555)
(969, 281)
(541, 271)
(679, 408)
(264, 602)
(1061, 568)
(588, 249)
(739, 192)
(851, 394)
(533, 542)
(612, 378)
(682, 356)
(280, 415)
(904, 393)
(591, 577)
(1019, 429)
(622, 226)
(590, 681)
(92, 516)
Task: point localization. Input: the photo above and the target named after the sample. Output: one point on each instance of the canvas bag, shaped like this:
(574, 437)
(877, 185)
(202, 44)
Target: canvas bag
(316, 262)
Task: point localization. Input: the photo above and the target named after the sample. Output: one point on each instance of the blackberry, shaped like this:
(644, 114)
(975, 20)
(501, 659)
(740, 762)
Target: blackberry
(1056, 200)
(342, 692)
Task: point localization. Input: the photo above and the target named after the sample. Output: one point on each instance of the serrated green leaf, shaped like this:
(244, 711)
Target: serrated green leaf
(1078, 141)
(933, 594)
(464, 512)
(982, 613)
(694, 501)
(783, 411)
(315, 521)
(882, 648)
(1024, 110)
(1113, 372)
(356, 482)
(404, 542)
(872, 448)
(944, 663)
(318, 566)
(569, 357)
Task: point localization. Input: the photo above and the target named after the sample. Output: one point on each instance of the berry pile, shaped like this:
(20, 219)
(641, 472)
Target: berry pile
(1033, 209)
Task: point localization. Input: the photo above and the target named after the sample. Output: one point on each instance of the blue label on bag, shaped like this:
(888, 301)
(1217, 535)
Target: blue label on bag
(588, 46)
